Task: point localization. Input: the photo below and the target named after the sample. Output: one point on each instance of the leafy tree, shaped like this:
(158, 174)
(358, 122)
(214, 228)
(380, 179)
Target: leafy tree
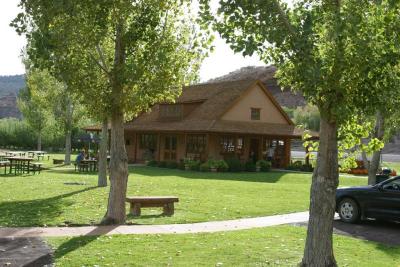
(59, 102)
(314, 45)
(33, 106)
(143, 52)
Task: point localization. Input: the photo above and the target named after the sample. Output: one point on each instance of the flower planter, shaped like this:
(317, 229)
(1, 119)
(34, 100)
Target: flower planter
(187, 167)
(258, 169)
(213, 169)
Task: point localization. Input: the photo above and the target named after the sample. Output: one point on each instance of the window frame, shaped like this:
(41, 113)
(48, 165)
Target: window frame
(258, 114)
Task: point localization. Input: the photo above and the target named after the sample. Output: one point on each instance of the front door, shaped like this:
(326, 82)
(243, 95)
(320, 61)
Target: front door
(170, 142)
(254, 150)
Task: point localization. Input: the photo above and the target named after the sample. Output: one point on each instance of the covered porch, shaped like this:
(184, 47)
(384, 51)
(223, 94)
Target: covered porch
(176, 146)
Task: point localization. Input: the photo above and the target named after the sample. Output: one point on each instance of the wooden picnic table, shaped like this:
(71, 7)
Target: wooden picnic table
(15, 153)
(20, 164)
(92, 164)
(38, 154)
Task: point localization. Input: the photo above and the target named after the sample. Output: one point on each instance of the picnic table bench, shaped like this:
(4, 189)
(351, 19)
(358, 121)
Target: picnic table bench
(167, 203)
(5, 164)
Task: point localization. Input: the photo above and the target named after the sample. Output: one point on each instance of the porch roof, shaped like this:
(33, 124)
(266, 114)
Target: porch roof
(219, 126)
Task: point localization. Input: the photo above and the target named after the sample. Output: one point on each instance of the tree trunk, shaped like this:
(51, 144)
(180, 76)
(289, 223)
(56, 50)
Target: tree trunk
(118, 173)
(319, 249)
(365, 159)
(379, 133)
(67, 158)
(119, 159)
(39, 141)
(102, 178)
(68, 132)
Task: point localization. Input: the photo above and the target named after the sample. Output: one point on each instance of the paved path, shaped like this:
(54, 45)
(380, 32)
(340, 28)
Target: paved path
(25, 251)
(205, 227)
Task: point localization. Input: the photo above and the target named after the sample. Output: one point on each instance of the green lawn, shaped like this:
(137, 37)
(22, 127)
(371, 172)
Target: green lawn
(60, 196)
(273, 246)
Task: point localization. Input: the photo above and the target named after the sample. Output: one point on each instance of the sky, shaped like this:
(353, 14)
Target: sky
(222, 61)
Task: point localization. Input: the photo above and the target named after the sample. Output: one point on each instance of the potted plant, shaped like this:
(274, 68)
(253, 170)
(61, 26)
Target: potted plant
(187, 164)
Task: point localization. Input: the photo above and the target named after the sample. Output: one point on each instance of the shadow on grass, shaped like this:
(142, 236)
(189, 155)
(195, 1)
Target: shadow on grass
(35, 212)
(261, 177)
(81, 241)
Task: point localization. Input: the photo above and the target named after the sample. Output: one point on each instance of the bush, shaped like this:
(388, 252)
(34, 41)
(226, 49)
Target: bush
(162, 164)
(222, 166)
(250, 166)
(307, 168)
(172, 164)
(195, 165)
(234, 164)
(204, 167)
(152, 163)
(181, 165)
(264, 165)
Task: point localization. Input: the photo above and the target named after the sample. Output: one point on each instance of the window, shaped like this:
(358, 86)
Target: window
(196, 143)
(172, 111)
(255, 114)
(170, 148)
(148, 141)
(393, 185)
(232, 144)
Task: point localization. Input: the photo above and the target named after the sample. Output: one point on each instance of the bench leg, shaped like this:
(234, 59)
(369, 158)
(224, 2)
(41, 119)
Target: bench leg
(169, 209)
(135, 209)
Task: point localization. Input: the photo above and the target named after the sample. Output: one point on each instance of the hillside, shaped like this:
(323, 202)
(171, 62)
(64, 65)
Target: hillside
(265, 74)
(9, 88)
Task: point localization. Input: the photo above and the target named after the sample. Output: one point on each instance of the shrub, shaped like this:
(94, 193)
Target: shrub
(222, 166)
(307, 168)
(264, 165)
(181, 165)
(204, 167)
(172, 164)
(250, 166)
(195, 165)
(152, 163)
(162, 164)
(234, 164)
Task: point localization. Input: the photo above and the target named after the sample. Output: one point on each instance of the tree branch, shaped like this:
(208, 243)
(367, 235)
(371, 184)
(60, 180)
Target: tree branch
(100, 52)
(99, 64)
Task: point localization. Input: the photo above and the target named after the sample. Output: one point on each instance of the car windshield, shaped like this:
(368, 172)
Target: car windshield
(392, 185)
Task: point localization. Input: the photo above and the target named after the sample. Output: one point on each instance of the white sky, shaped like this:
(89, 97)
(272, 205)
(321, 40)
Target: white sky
(220, 62)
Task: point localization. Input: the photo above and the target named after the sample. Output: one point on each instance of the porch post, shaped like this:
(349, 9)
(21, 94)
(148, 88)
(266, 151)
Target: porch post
(185, 145)
(286, 161)
(159, 146)
(136, 146)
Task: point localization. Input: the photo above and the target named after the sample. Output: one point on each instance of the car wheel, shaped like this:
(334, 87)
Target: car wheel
(349, 211)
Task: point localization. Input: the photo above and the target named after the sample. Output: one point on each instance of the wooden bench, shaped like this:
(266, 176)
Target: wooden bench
(37, 167)
(167, 203)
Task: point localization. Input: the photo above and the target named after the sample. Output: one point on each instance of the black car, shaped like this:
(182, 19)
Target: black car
(380, 201)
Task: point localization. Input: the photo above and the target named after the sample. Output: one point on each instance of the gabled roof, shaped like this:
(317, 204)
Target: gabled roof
(214, 99)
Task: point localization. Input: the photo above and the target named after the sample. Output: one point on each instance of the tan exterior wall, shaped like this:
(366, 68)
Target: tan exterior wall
(255, 98)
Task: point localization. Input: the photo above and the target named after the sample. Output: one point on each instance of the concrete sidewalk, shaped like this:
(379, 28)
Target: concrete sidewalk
(205, 227)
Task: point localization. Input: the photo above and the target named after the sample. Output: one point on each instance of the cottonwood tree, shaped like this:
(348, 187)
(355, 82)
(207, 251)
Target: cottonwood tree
(144, 52)
(312, 44)
(33, 106)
